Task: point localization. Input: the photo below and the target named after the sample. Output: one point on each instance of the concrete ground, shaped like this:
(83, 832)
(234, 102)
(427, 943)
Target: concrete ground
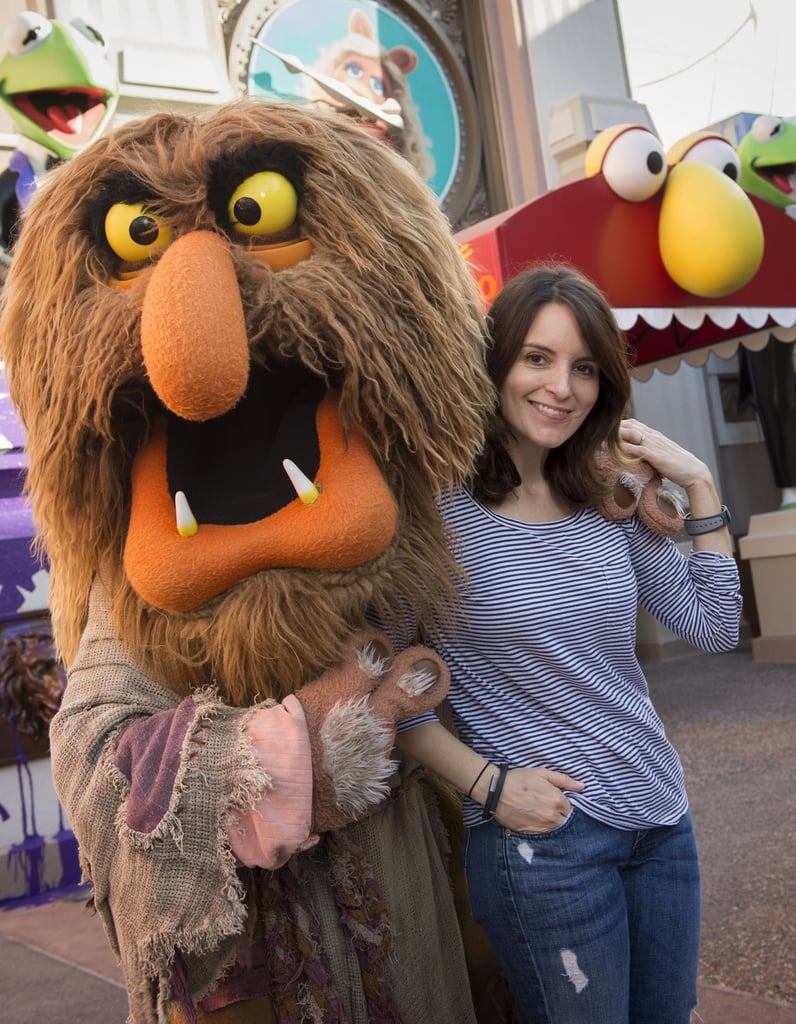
(733, 721)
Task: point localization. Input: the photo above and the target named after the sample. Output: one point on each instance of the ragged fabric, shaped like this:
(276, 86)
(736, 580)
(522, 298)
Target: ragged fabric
(336, 935)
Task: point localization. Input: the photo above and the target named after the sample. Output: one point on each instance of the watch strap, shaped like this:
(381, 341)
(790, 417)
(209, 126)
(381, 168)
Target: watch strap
(707, 524)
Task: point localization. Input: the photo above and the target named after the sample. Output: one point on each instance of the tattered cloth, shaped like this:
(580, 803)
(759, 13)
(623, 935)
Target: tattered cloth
(361, 928)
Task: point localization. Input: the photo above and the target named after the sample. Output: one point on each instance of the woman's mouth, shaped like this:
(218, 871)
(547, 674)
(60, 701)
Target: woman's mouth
(551, 411)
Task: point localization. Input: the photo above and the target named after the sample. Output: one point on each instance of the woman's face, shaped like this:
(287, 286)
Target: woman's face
(554, 383)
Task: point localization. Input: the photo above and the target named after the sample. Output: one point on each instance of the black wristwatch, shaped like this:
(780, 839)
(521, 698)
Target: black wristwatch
(707, 525)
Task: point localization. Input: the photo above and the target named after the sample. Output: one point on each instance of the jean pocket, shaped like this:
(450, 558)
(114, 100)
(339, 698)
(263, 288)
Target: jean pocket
(549, 833)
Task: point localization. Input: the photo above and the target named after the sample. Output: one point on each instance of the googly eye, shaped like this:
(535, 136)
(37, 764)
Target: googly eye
(766, 128)
(718, 153)
(264, 204)
(134, 233)
(93, 34)
(634, 165)
(25, 32)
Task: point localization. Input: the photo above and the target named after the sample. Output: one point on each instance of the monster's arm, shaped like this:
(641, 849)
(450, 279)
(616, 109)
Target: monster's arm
(149, 783)
(135, 766)
(155, 788)
(346, 721)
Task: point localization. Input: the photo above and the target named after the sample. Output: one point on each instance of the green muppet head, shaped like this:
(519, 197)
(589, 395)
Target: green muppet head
(61, 90)
(56, 82)
(768, 161)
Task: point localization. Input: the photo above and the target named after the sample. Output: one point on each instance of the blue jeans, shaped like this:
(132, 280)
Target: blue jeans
(591, 924)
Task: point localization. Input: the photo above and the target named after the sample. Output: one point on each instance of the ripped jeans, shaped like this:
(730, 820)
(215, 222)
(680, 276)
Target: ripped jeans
(591, 924)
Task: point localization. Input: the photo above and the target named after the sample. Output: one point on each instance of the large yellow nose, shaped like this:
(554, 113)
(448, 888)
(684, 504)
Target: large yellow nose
(710, 236)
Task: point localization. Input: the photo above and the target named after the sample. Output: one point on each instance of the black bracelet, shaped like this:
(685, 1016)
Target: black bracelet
(495, 789)
(478, 776)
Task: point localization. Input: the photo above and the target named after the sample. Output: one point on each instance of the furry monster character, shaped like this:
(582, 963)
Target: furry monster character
(193, 302)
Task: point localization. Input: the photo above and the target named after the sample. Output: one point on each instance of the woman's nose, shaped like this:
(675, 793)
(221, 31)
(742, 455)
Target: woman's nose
(560, 382)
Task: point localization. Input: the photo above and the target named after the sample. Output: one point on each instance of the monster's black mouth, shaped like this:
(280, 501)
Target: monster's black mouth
(230, 468)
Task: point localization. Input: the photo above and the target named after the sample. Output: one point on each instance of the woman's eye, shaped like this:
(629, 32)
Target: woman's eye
(264, 204)
(134, 233)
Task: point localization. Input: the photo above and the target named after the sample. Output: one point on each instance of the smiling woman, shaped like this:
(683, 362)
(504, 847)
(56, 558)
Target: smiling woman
(552, 386)
(580, 857)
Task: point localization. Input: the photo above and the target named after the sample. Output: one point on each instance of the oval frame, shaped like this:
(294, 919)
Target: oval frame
(253, 17)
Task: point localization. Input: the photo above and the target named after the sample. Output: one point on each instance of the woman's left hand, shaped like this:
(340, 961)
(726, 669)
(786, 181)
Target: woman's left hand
(682, 468)
(664, 455)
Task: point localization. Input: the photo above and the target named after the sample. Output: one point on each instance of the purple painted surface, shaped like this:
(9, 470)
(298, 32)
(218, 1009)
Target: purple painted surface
(19, 596)
(16, 519)
(17, 563)
(13, 466)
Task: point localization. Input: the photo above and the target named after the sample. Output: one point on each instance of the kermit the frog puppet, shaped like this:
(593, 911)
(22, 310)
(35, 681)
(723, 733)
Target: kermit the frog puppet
(768, 161)
(60, 89)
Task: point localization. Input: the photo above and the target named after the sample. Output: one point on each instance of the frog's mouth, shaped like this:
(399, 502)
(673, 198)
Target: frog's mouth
(71, 116)
(781, 176)
(246, 515)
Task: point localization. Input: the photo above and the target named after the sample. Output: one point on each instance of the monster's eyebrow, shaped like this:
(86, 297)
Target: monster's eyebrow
(229, 169)
(119, 187)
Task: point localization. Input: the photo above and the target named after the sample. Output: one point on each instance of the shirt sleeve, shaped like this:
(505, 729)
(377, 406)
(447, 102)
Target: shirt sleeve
(697, 596)
(413, 723)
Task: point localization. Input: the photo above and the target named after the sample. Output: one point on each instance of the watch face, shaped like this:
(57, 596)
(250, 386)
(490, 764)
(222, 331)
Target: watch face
(383, 62)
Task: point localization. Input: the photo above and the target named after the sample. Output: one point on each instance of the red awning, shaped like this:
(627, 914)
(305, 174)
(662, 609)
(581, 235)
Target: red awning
(615, 243)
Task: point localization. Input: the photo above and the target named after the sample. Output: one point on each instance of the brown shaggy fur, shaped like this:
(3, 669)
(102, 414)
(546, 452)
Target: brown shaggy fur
(385, 307)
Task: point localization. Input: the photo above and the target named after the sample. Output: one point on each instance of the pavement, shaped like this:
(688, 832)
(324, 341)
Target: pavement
(733, 721)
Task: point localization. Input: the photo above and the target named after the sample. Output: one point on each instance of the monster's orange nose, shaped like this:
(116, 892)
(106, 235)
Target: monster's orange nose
(193, 332)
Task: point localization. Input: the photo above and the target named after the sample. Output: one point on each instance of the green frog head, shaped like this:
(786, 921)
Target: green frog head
(768, 160)
(57, 82)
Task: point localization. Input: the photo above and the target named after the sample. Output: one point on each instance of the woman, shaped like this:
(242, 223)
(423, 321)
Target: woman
(580, 856)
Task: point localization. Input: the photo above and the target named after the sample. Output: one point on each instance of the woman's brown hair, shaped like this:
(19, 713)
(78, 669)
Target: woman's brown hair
(570, 469)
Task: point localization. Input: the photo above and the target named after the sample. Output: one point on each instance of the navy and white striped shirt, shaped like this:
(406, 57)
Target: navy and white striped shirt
(543, 666)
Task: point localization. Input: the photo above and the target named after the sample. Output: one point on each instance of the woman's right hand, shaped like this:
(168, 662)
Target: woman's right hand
(532, 799)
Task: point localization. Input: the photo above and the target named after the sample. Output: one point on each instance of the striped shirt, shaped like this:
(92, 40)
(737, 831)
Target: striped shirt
(543, 665)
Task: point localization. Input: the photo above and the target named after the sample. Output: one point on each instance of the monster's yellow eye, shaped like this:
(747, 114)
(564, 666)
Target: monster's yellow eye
(134, 233)
(264, 204)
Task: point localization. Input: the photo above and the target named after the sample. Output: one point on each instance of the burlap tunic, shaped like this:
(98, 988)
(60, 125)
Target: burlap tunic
(360, 928)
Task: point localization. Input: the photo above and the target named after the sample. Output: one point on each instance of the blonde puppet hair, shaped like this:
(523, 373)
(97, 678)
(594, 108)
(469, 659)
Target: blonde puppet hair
(385, 309)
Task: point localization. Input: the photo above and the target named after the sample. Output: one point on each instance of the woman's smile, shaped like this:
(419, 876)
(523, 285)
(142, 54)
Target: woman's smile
(549, 410)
